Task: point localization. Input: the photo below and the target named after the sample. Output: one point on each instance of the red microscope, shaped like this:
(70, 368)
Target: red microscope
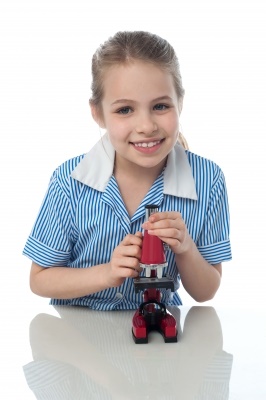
(152, 313)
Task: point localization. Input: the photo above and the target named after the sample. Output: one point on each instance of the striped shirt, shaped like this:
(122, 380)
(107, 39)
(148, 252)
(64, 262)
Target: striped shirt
(83, 218)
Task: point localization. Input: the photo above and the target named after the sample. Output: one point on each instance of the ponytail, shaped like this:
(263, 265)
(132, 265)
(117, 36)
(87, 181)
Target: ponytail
(182, 141)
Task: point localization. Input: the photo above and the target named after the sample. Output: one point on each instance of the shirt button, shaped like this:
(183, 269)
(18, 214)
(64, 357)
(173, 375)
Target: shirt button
(119, 295)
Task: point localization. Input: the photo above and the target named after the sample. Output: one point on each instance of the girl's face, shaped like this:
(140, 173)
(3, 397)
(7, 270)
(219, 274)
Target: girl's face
(140, 113)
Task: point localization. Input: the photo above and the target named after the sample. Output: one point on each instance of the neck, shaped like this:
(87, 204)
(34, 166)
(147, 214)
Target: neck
(134, 182)
(133, 171)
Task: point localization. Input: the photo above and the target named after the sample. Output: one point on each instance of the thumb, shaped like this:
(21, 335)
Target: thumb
(138, 234)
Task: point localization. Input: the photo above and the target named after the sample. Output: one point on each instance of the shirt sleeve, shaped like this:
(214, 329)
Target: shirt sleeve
(49, 243)
(213, 242)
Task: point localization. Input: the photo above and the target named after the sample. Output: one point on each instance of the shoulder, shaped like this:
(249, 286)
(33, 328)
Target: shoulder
(62, 173)
(208, 176)
(203, 168)
(64, 170)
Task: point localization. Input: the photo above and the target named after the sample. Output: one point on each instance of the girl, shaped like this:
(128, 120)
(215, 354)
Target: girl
(86, 243)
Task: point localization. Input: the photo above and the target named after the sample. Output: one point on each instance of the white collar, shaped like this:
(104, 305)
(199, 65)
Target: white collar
(96, 169)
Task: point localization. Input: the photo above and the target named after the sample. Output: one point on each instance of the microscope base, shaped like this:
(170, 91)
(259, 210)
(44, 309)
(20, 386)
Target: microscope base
(152, 315)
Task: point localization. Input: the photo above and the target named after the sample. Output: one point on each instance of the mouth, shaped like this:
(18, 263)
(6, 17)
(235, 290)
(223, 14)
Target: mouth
(148, 144)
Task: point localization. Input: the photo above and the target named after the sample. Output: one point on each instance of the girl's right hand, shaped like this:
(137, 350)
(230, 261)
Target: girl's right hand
(125, 260)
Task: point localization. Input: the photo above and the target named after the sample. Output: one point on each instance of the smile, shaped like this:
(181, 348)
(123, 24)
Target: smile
(150, 144)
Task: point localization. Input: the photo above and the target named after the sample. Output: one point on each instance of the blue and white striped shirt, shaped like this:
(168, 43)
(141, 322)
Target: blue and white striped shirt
(83, 218)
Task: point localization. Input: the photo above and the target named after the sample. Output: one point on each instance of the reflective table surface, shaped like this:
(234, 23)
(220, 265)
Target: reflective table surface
(75, 353)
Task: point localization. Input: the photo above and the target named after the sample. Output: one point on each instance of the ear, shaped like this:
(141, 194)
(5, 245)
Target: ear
(97, 115)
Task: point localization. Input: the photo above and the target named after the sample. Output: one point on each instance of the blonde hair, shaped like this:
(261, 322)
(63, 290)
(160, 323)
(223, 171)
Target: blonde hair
(126, 46)
(182, 141)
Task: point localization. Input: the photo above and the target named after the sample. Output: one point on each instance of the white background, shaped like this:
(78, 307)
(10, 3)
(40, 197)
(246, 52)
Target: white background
(46, 50)
(45, 54)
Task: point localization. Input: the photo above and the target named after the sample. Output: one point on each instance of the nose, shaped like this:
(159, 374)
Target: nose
(145, 123)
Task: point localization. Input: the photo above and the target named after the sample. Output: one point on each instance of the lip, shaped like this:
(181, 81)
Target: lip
(147, 150)
(148, 141)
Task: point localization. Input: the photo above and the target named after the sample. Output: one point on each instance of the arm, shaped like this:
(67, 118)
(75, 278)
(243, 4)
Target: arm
(67, 283)
(200, 279)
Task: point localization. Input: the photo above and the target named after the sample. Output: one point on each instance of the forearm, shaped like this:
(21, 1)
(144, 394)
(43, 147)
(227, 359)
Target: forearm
(67, 283)
(200, 279)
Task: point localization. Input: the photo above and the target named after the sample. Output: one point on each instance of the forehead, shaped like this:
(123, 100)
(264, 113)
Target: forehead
(137, 79)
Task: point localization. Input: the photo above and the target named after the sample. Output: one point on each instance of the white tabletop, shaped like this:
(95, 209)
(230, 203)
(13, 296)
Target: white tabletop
(75, 353)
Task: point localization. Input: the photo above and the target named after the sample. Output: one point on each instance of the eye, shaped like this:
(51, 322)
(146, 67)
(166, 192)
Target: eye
(124, 110)
(160, 107)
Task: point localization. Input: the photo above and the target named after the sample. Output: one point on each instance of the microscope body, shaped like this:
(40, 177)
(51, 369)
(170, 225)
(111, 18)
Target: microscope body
(152, 313)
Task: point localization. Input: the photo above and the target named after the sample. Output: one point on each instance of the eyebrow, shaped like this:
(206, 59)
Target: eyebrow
(119, 101)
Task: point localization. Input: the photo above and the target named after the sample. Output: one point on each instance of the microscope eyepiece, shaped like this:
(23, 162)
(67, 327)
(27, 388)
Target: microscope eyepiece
(150, 209)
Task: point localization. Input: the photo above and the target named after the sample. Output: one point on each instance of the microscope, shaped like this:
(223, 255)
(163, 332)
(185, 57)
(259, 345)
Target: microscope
(152, 313)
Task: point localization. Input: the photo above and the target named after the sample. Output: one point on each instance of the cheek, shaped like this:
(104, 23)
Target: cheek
(118, 128)
(173, 124)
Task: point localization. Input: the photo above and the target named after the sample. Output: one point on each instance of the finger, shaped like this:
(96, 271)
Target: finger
(164, 215)
(178, 224)
(166, 233)
(158, 221)
(128, 251)
(131, 263)
(132, 240)
(139, 234)
(129, 273)
(171, 242)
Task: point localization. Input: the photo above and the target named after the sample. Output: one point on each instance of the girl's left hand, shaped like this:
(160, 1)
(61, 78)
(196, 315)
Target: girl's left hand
(171, 229)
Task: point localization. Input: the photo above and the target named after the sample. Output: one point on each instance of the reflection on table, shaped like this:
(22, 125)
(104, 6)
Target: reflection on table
(85, 354)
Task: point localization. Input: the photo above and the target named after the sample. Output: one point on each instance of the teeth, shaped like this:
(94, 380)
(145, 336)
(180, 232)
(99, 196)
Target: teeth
(150, 144)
